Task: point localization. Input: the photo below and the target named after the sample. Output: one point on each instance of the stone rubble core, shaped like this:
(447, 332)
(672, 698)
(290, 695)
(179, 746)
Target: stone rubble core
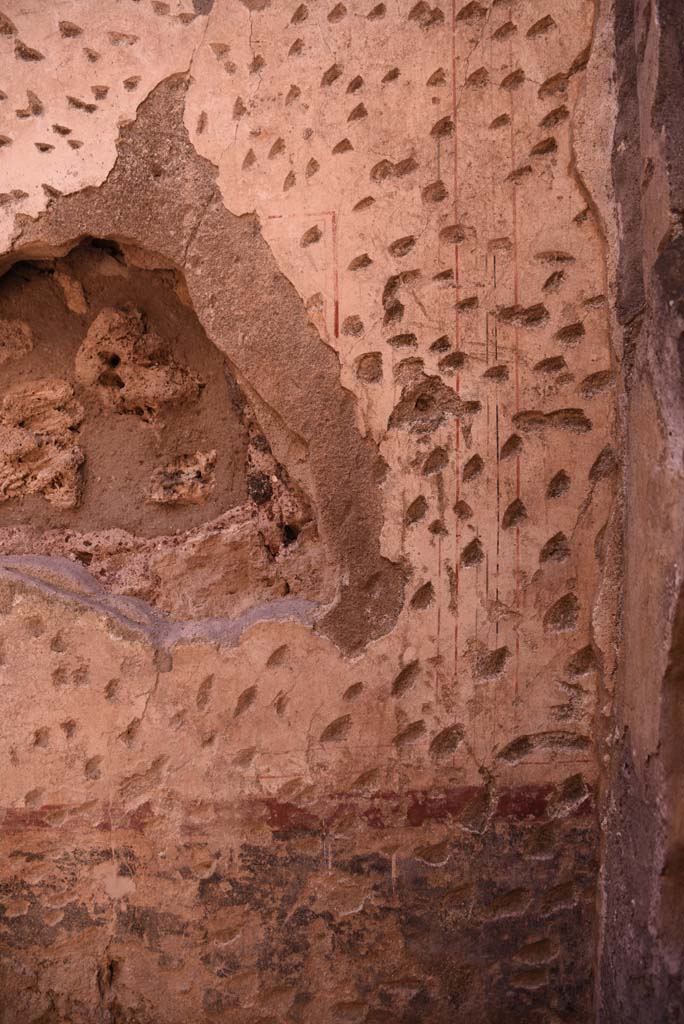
(129, 368)
(38, 453)
(255, 539)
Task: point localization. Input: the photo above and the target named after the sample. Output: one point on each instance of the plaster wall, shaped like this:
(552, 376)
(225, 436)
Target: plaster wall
(312, 729)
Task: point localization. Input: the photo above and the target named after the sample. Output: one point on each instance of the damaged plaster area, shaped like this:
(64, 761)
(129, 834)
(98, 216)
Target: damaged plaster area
(128, 446)
(126, 369)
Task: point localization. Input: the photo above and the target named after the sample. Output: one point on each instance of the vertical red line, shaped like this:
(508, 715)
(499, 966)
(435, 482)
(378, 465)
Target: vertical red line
(336, 276)
(457, 341)
(516, 365)
(495, 710)
(439, 615)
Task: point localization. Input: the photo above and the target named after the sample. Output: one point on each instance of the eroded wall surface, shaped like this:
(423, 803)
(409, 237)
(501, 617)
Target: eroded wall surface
(306, 465)
(641, 969)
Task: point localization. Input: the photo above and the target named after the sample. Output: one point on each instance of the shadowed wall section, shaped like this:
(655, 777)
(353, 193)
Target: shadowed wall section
(641, 966)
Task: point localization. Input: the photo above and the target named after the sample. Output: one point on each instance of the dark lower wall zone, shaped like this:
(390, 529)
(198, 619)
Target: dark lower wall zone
(421, 908)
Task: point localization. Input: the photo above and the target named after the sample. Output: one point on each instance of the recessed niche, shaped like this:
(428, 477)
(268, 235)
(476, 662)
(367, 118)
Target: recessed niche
(126, 443)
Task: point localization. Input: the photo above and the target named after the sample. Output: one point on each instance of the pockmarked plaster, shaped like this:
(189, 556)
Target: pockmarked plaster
(307, 728)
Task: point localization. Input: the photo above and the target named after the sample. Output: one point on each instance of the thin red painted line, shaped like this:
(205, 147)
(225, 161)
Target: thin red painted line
(300, 213)
(526, 764)
(516, 341)
(336, 277)
(457, 340)
(439, 614)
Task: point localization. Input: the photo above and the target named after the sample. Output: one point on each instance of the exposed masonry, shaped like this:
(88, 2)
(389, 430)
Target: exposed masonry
(138, 455)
